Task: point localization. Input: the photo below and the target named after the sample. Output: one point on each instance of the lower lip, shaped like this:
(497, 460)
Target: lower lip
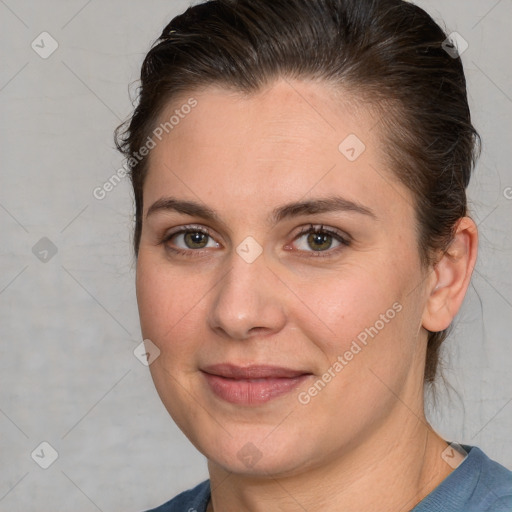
(252, 391)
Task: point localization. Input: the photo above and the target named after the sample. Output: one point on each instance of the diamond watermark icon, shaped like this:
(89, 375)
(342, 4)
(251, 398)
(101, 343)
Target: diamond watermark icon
(44, 250)
(44, 45)
(146, 352)
(455, 45)
(454, 454)
(352, 147)
(44, 455)
(249, 455)
(249, 250)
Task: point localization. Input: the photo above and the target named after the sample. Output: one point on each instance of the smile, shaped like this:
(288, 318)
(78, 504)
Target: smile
(253, 385)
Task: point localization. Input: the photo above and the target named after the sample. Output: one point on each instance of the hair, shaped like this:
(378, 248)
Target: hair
(387, 54)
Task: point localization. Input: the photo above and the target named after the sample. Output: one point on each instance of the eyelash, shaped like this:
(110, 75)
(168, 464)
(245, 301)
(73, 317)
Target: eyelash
(344, 240)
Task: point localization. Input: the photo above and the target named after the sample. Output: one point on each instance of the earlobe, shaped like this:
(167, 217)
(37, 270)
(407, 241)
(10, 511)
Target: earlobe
(451, 277)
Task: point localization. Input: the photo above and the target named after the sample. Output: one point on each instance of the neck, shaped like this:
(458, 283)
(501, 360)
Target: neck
(388, 473)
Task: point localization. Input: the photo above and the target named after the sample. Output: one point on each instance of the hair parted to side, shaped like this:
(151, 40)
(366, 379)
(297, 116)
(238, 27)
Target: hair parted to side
(387, 54)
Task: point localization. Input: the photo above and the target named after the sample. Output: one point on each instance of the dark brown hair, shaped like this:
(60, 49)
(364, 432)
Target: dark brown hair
(388, 53)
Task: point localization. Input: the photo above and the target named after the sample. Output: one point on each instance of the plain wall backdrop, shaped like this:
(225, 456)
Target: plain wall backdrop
(68, 313)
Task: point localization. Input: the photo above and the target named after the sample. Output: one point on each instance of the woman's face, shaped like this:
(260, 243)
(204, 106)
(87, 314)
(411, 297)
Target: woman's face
(280, 351)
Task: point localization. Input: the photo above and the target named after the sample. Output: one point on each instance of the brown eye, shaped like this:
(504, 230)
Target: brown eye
(189, 240)
(320, 240)
(195, 239)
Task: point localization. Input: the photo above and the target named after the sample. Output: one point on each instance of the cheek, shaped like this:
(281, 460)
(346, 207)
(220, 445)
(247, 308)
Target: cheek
(372, 337)
(368, 350)
(151, 298)
(168, 304)
(355, 304)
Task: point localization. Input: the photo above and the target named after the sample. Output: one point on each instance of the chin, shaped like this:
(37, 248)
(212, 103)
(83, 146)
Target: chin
(245, 454)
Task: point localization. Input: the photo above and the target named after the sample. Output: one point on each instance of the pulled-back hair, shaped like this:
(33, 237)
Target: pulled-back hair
(387, 54)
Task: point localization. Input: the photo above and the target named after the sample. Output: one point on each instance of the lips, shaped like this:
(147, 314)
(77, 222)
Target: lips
(230, 371)
(252, 385)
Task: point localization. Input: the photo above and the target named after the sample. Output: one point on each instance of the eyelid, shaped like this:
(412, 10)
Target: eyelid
(189, 228)
(344, 239)
(322, 228)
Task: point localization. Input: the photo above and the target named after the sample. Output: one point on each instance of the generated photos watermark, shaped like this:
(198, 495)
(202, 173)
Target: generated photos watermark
(355, 348)
(178, 115)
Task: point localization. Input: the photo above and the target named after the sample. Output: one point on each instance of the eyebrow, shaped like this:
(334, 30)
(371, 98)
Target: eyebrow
(290, 210)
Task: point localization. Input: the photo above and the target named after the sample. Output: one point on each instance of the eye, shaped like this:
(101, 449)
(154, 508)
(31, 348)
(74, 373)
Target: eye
(320, 240)
(189, 240)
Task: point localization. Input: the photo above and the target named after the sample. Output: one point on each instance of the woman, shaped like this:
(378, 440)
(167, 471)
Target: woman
(302, 239)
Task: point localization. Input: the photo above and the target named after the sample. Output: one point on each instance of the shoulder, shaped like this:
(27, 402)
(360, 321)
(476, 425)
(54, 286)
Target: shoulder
(493, 492)
(503, 504)
(478, 484)
(193, 500)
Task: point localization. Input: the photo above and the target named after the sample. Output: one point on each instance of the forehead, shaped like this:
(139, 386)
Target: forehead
(285, 142)
(282, 112)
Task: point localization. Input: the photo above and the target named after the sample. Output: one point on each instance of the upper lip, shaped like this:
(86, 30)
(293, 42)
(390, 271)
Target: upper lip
(232, 371)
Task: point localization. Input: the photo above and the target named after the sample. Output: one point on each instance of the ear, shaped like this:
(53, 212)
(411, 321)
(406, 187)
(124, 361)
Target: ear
(451, 277)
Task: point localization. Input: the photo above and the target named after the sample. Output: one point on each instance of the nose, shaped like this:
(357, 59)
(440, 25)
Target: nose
(248, 301)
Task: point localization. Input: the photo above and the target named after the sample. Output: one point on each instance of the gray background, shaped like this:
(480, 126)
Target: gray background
(69, 325)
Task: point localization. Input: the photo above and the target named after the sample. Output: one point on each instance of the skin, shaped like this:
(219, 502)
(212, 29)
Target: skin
(363, 442)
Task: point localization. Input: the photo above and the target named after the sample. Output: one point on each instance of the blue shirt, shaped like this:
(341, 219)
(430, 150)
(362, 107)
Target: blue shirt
(478, 484)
